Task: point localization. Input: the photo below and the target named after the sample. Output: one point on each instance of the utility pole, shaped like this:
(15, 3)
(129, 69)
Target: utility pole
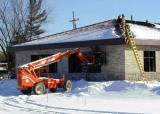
(131, 17)
(74, 21)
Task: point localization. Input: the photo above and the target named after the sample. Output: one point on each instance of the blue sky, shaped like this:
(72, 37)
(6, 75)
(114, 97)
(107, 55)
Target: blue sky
(93, 11)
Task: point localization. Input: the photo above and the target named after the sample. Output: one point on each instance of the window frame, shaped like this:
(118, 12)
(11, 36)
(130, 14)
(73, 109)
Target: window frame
(149, 58)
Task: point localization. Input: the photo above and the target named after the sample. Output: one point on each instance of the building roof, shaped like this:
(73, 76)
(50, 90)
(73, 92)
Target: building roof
(144, 32)
(96, 34)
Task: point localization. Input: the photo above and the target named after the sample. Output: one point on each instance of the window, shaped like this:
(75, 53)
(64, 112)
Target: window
(76, 66)
(52, 67)
(96, 59)
(149, 61)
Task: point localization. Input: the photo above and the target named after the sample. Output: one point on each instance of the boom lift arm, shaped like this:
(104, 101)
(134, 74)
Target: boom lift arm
(52, 59)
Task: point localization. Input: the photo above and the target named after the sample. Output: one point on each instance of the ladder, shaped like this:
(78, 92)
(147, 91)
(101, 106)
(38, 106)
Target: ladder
(126, 32)
(85, 71)
(84, 68)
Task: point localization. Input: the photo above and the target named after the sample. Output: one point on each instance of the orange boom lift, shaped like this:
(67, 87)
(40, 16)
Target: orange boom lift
(29, 79)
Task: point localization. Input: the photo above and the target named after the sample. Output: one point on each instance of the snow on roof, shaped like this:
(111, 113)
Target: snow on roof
(157, 25)
(144, 32)
(99, 31)
(104, 30)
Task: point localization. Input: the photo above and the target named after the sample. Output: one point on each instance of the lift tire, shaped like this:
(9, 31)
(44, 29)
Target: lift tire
(53, 90)
(39, 88)
(27, 91)
(68, 85)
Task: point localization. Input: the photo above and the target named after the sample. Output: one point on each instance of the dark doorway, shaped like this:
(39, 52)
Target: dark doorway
(74, 64)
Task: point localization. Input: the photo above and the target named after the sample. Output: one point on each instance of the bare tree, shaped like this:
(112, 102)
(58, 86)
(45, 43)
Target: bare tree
(12, 23)
(17, 23)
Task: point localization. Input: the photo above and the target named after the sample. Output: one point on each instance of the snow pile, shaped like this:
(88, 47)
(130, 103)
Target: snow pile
(143, 32)
(85, 98)
(84, 88)
(123, 88)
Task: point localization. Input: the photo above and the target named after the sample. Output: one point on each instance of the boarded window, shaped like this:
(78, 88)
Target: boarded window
(52, 67)
(95, 59)
(76, 66)
(149, 61)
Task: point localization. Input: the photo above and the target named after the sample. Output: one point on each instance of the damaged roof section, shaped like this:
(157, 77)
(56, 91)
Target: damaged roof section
(104, 33)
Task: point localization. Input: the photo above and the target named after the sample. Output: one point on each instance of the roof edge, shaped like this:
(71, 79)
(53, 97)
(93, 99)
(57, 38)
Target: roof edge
(116, 41)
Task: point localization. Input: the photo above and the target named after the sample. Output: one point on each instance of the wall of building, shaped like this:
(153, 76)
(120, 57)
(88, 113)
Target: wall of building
(23, 57)
(131, 67)
(114, 69)
(121, 63)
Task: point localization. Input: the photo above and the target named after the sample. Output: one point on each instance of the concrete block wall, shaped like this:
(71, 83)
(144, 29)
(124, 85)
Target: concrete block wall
(131, 67)
(115, 62)
(121, 63)
(114, 69)
(23, 57)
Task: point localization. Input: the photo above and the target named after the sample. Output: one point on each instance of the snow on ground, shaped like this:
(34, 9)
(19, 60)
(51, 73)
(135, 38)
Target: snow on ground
(113, 97)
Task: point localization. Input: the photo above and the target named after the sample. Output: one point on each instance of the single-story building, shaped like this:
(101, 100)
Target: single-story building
(102, 43)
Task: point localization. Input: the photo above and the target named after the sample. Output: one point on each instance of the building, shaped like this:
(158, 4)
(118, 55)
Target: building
(102, 43)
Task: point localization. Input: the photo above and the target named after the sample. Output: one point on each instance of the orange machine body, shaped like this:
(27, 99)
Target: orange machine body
(27, 76)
